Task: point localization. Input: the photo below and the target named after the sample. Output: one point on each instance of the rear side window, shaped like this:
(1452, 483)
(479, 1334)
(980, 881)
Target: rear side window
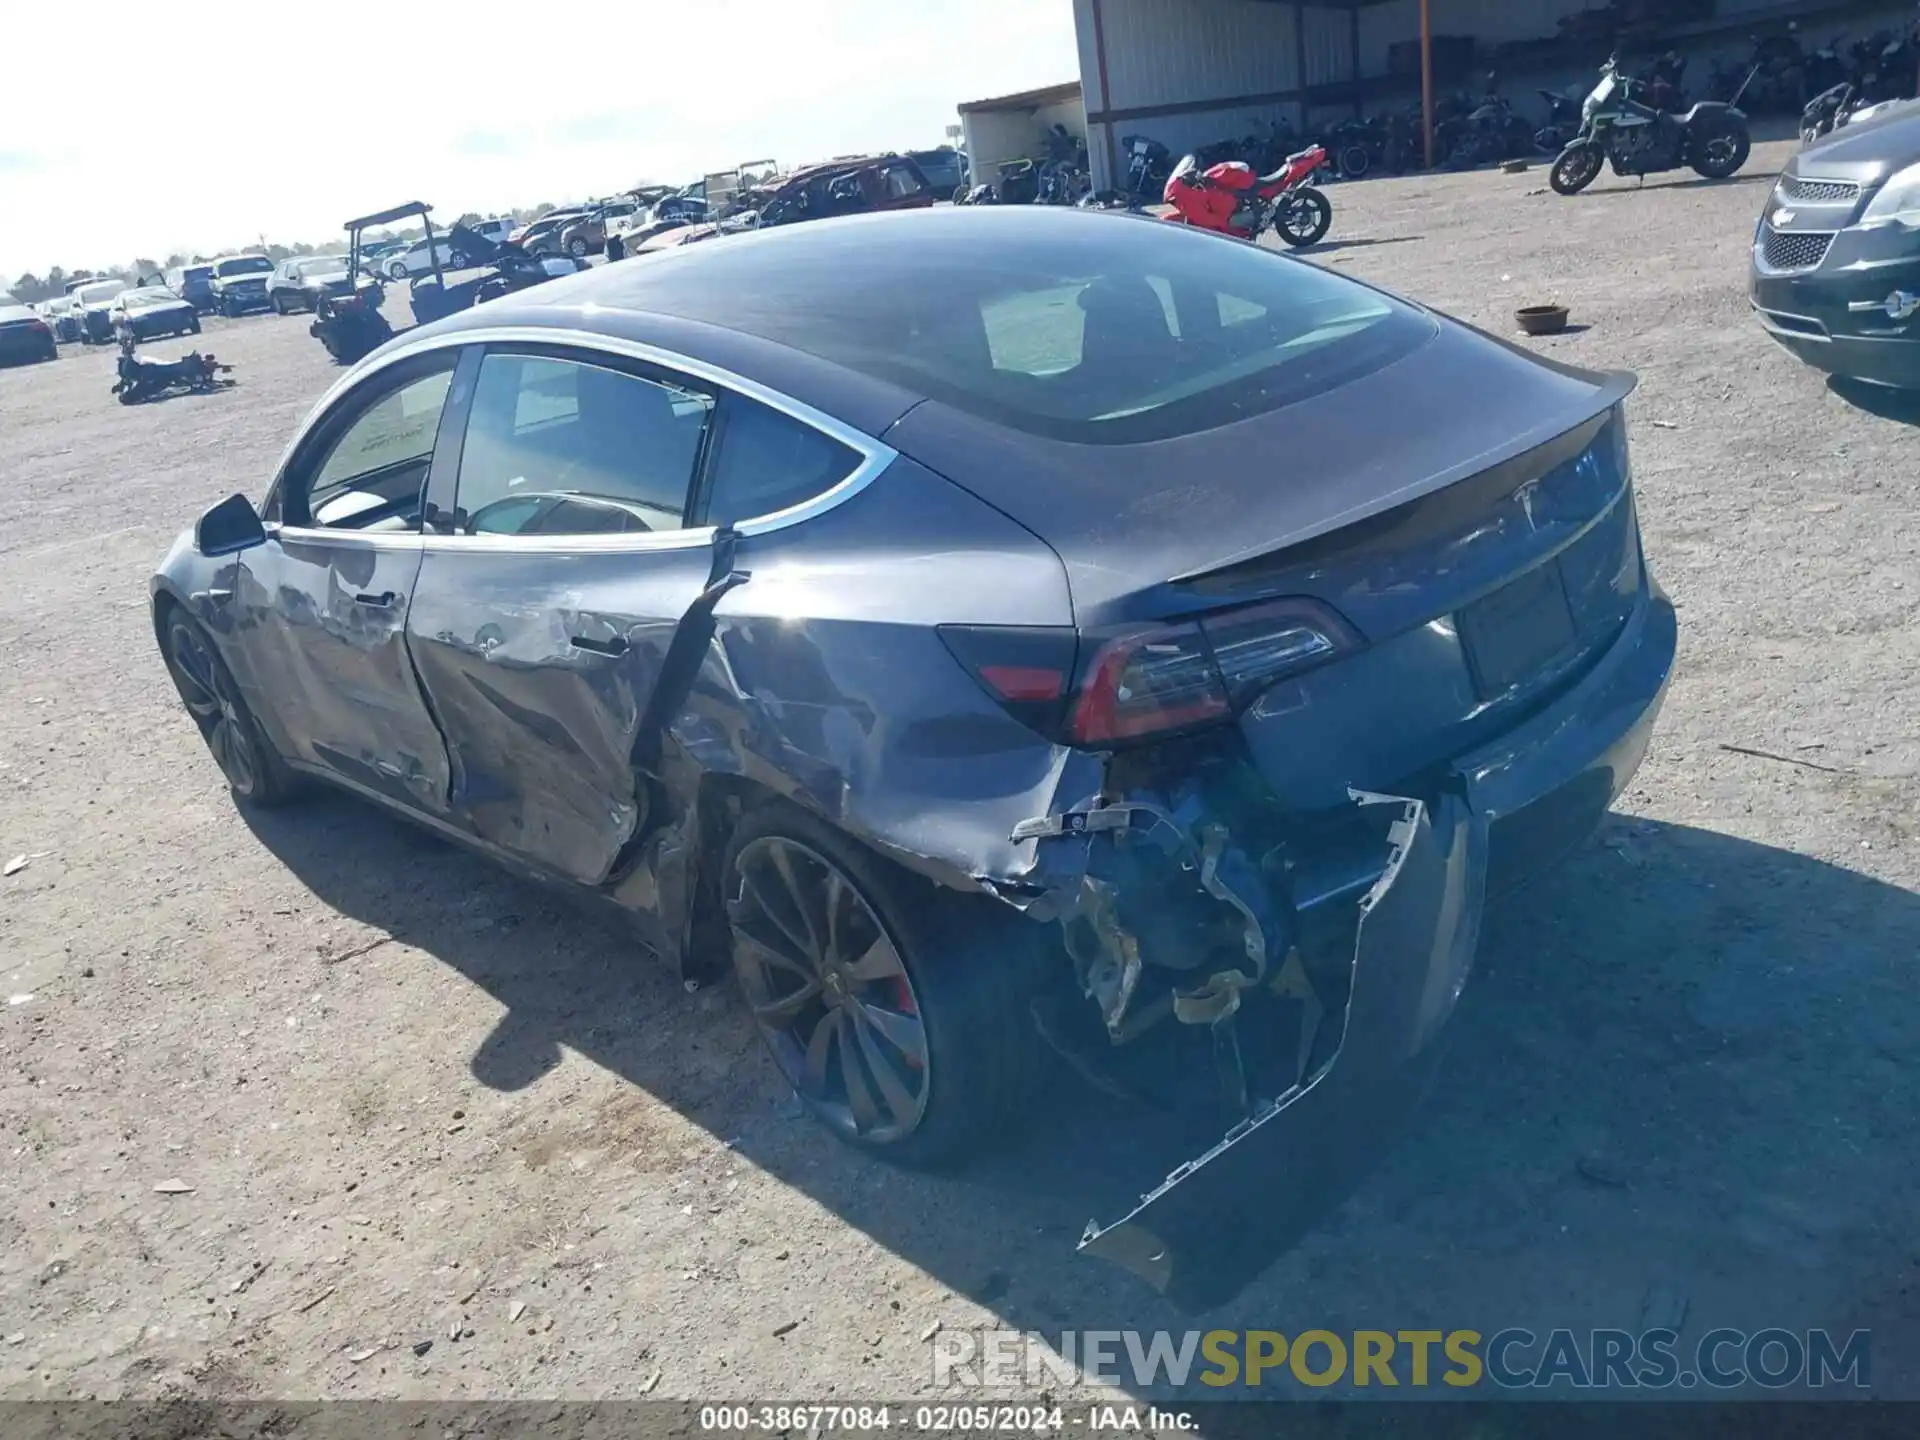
(769, 462)
(560, 447)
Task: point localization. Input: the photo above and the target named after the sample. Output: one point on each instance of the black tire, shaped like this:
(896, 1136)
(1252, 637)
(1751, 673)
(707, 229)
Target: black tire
(1722, 150)
(1303, 217)
(616, 249)
(253, 769)
(1575, 167)
(578, 248)
(1355, 161)
(193, 326)
(898, 963)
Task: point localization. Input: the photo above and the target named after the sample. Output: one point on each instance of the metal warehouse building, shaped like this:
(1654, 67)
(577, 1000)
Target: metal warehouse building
(1189, 72)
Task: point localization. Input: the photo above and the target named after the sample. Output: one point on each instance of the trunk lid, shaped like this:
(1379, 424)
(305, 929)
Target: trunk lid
(1162, 528)
(1467, 512)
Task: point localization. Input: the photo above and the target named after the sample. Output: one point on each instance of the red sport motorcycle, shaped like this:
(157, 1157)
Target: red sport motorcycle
(1235, 200)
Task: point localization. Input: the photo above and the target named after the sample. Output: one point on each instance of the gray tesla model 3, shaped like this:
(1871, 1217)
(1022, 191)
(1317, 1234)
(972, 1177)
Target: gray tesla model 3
(1008, 638)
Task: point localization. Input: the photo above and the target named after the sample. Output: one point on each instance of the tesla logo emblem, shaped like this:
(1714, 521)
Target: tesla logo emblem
(1525, 496)
(1783, 217)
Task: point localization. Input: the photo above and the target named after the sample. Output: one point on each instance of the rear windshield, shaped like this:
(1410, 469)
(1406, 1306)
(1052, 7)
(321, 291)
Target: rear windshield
(1084, 327)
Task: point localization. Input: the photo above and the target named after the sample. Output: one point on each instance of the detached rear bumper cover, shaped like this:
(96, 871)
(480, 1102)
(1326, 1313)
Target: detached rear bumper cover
(1220, 1219)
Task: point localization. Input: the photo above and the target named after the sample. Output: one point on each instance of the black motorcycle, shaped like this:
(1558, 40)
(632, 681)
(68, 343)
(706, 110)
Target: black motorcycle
(1149, 163)
(144, 379)
(351, 327)
(1711, 138)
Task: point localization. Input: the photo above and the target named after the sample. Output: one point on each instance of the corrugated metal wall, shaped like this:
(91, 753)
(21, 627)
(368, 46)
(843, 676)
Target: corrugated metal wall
(1172, 52)
(1180, 52)
(1183, 52)
(1329, 35)
(1491, 22)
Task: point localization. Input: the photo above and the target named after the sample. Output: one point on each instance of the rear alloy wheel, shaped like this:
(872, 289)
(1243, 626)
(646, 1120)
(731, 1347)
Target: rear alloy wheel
(898, 1015)
(1575, 168)
(1722, 151)
(254, 773)
(578, 248)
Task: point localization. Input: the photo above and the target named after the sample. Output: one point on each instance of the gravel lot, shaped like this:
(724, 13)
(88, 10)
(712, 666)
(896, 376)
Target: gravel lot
(413, 1097)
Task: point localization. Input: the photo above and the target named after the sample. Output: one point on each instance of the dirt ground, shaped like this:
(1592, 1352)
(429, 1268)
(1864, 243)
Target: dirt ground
(403, 1098)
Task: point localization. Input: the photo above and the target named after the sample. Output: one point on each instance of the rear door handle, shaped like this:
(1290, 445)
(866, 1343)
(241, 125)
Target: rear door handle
(383, 601)
(617, 645)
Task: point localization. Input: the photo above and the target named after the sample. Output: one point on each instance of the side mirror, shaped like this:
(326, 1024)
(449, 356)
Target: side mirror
(229, 527)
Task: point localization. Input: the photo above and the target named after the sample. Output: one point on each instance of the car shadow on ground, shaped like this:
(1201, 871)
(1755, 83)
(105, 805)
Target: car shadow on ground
(1902, 406)
(1360, 244)
(1656, 182)
(1677, 1090)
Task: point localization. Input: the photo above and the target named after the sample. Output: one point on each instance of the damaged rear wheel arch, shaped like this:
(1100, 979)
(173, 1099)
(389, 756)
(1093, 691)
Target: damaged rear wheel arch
(971, 965)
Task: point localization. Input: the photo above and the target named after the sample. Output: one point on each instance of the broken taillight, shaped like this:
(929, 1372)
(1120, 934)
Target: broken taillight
(1151, 681)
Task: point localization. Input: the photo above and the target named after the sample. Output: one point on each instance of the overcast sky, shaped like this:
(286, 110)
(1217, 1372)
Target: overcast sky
(139, 129)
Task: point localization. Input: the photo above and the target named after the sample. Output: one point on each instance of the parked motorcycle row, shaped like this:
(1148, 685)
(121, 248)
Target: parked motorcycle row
(1062, 178)
(1845, 83)
(1781, 78)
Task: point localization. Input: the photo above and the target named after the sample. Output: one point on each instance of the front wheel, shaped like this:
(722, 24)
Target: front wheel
(253, 771)
(1576, 167)
(1304, 217)
(1722, 150)
(578, 248)
(1355, 161)
(898, 1012)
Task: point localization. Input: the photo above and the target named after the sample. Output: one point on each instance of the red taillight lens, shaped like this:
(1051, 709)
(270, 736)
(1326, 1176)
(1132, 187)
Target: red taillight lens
(1259, 645)
(1152, 681)
(1177, 677)
(1148, 682)
(1027, 668)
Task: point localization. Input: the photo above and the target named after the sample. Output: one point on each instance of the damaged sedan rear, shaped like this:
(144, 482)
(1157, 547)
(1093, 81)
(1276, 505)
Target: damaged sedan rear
(1005, 637)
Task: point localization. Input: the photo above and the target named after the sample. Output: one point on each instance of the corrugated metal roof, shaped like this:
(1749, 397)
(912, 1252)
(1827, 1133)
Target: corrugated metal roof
(1027, 99)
